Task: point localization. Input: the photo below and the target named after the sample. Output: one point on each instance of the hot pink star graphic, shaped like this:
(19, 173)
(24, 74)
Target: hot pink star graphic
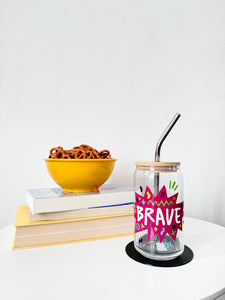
(158, 215)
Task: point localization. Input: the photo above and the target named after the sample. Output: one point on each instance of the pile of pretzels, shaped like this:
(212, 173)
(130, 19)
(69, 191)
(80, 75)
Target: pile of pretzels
(79, 152)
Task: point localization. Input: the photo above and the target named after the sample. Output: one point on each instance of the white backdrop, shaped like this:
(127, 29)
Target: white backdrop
(112, 74)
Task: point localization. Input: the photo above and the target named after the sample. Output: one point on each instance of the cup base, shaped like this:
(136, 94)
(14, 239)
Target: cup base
(163, 257)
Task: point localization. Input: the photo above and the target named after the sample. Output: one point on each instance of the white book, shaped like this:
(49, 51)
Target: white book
(117, 209)
(47, 200)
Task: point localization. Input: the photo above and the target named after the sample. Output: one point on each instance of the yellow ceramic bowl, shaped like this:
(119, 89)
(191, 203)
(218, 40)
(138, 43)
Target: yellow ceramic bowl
(80, 175)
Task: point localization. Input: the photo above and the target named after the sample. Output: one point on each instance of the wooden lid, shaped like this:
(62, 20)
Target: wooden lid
(160, 164)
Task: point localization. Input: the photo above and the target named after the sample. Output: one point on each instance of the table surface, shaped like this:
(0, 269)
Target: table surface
(102, 270)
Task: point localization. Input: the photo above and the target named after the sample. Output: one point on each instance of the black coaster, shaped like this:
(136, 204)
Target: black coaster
(180, 260)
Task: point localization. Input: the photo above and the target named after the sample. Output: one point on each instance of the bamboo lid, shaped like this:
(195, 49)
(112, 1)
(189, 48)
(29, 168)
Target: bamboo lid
(157, 164)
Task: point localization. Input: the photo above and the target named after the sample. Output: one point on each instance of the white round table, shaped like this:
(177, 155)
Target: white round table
(102, 269)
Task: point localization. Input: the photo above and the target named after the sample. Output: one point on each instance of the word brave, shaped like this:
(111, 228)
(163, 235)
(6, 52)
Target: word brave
(158, 215)
(167, 219)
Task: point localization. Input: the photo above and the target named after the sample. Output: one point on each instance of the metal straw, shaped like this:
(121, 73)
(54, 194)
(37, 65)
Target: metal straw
(158, 148)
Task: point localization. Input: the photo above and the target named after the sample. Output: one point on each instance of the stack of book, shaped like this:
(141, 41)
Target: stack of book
(54, 217)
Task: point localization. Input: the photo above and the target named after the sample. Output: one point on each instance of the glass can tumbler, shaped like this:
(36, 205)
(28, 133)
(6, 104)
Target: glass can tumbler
(158, 210)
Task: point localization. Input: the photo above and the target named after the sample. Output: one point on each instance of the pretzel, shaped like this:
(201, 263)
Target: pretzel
(79, 152)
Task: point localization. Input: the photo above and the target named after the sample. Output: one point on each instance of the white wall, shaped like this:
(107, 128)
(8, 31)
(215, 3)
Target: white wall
(112, 74)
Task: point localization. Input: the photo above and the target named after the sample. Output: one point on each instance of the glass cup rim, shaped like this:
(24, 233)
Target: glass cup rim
(159, 164)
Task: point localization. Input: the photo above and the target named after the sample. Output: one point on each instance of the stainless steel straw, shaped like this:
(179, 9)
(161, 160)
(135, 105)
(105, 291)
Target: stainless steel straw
(158, 148)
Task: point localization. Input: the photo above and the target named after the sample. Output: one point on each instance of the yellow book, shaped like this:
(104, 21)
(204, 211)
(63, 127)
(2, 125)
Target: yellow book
(40, 233)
